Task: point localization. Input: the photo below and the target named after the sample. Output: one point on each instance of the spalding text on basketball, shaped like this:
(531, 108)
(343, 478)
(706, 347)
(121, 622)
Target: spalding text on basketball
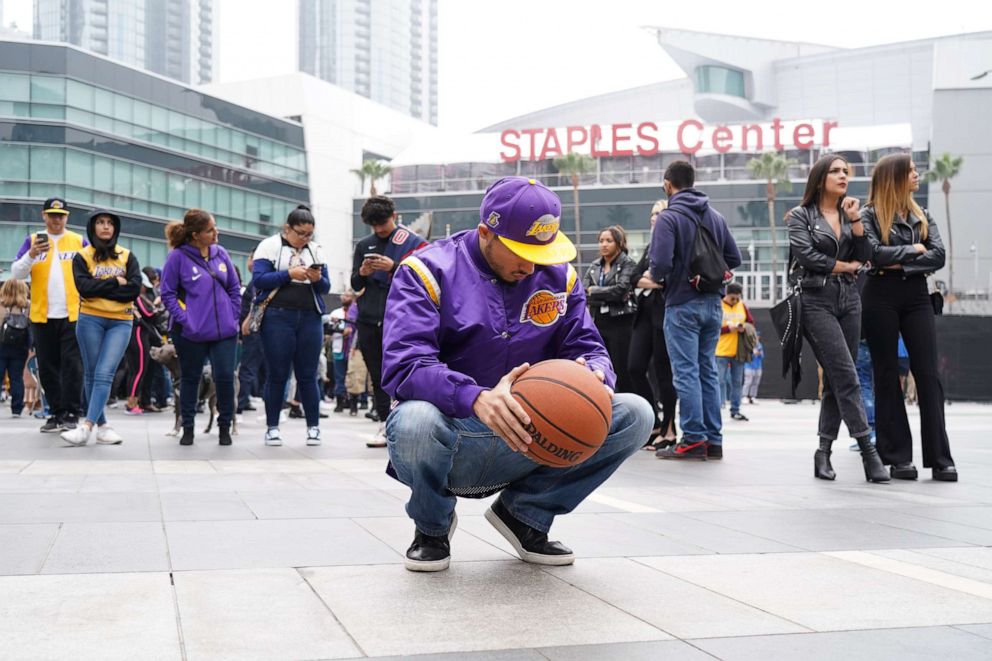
(571, 456)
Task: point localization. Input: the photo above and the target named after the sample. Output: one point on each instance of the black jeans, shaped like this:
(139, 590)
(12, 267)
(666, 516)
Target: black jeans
(252, 356)
(616, 332)
(893, 306)
(192, 356)
(370, 344)
(60, 365)
(648, 349)
(832, 324)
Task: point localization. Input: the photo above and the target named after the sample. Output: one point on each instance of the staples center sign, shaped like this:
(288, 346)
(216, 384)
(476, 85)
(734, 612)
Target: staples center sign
(650, 138)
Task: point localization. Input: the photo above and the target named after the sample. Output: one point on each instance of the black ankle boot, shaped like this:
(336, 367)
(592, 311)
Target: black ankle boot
(874, 469)
(339, 406)
(187, 438)
(821, 461)
(354, 406)
(224, 434)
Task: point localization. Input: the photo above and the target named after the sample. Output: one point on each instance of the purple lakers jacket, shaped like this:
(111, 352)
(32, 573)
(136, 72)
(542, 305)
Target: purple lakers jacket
(453, 329)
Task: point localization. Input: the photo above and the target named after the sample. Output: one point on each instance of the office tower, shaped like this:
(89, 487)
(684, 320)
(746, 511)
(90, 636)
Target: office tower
(385, 50)
(173, 38)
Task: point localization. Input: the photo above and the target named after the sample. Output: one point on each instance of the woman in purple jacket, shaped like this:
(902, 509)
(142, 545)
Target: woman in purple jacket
(200, 275)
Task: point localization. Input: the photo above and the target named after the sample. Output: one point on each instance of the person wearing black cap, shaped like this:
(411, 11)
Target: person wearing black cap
(46, 258)
(108, 279)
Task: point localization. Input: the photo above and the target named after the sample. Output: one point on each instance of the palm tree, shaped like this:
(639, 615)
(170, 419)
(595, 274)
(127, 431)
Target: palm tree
(944, 169)
(773, 167)
(372, 170)
(575, 164)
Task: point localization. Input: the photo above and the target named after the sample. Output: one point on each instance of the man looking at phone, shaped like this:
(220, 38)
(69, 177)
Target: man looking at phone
(376, 259)
(46, 258)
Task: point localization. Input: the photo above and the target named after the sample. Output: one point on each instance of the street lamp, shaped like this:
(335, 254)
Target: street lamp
(974, 252)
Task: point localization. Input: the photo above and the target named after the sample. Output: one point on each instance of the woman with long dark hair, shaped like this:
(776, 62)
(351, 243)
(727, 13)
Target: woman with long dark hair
(15, 339)
(108, 280)
(906, 248)
(609, 285)
(829, 248)
(290, 277)
(200, 274)
(648, 350)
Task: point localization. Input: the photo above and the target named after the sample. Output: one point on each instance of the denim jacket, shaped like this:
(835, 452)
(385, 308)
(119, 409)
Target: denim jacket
(899, 249)
(815, 249)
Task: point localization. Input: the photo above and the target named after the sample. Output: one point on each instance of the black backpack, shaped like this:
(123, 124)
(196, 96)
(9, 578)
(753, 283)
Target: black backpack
(708, 272)
(14, 330)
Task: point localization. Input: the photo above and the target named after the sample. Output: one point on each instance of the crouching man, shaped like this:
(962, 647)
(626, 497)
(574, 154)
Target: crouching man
(465, 317)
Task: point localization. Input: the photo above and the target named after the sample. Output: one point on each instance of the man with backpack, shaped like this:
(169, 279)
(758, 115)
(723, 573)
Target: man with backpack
(693, 251)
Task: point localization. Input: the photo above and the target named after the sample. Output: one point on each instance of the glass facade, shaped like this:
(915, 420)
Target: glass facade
(84, 138)
(719, 80)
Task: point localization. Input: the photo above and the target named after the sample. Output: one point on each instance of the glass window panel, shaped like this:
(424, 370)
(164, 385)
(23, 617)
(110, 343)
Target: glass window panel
(103, 174)
(15, 87)
(237, 204)
(103, 102)
(47, 89)
(122, 178)
(142, 113)
(79, 195)
(79, 168)
(14, 161)
(123, 108)
(191, 198)
(46, 190)
(177, 189)
(79, 95)
(160, 119)
(103, 123)
(79, 116)
(223, 201)
(47, 164)
(208, 197)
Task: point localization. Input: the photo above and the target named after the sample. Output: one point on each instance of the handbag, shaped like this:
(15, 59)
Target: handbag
(253, 322)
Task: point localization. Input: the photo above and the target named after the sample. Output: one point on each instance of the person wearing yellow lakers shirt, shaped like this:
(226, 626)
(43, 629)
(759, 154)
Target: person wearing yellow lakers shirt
(108, 279)
(46, 258)
(735, 315)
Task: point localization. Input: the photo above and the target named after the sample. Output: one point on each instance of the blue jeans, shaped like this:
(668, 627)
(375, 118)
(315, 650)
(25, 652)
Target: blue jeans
(192, 356)
(102, 343)
(340, 370)
(12, 362)
(692, 331)
(865, 377)
(440, 457)
(731, 382)
(292, 339)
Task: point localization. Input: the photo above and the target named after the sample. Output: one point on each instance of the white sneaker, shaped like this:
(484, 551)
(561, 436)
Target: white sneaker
(80, 435)
(313, 436)
(107, 436)
(379, 440)
(272, 437)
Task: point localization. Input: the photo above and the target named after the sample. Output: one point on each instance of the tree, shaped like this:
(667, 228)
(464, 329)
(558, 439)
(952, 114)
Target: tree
(373, 170)
(773, 167)
(574, 164)
(944, 169)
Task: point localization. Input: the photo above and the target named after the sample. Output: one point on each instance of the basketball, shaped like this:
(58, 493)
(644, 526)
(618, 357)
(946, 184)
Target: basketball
(569, 408)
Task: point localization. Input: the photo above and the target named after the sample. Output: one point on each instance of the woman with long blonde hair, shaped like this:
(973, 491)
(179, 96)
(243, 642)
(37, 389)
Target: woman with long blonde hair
(14, 339)
(906, 248)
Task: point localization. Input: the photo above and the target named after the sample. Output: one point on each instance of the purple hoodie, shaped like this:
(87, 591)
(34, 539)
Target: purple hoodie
(210, 290)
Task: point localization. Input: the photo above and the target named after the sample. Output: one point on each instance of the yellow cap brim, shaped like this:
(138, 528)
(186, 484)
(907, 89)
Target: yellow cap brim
(559, 251)
(57, 211)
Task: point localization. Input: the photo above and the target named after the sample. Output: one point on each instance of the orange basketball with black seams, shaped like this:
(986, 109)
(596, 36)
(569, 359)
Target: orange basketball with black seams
(570, 412)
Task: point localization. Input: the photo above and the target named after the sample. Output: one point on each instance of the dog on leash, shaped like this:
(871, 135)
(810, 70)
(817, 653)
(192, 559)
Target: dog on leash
(207, 391)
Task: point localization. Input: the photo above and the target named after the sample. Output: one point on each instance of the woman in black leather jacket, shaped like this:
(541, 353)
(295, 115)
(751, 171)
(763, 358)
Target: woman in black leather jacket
(906, 248)
(609, 285)
(828, 249)
(648, 350)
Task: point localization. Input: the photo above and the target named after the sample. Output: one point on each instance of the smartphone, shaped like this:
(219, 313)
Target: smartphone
(41, 237)
(315, 266)
(372, 255)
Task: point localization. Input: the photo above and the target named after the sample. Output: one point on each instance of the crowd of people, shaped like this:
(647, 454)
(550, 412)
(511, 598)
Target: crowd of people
(91, 316)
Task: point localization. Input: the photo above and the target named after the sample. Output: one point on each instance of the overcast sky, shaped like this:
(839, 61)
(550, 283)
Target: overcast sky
(505, 58)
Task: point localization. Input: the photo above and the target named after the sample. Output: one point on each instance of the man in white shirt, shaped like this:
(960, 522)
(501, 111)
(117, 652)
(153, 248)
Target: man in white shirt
(46, 258)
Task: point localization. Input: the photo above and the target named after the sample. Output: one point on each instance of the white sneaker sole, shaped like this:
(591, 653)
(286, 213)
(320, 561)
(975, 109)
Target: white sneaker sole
(111, 442)
(526, 556)
(433, 565)
(313, 441)
(273, 443)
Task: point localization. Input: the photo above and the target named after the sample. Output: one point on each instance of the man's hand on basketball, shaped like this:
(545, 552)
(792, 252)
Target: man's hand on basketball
(599, 375)
(503, 414)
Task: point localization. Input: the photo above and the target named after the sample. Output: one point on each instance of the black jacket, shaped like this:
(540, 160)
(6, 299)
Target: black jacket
(617, 290)
(650, 301)
(899, 249)
(815, 249)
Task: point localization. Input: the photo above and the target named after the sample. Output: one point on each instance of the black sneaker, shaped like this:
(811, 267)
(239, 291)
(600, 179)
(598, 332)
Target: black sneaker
(296, 412)
(69, 422)
(531, 544)
(187, 438)
(684, 450)
(51, 426)
(714, 451)
(739, 416)
(430, 553)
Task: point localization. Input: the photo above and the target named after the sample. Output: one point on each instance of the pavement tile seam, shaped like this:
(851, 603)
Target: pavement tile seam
(915, 572)
(720, 594)
(955, 543)
(964, 627)
(177, 611)
(354, 641)
(927, 552)
(934, 517)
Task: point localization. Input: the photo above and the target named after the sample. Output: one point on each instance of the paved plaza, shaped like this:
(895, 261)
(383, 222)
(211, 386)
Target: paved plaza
(150, 550)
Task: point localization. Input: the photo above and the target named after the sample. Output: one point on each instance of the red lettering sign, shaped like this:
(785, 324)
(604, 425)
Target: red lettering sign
(680, 136)
(515, 154)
